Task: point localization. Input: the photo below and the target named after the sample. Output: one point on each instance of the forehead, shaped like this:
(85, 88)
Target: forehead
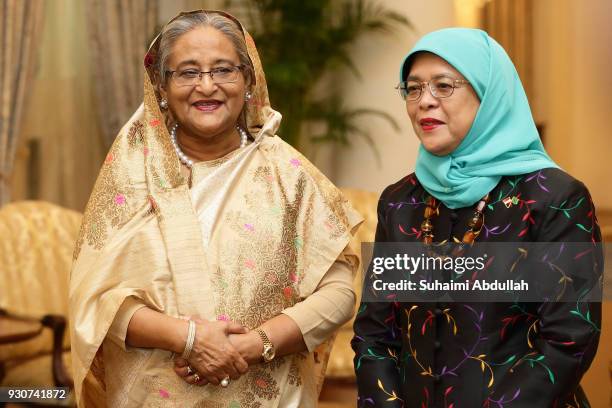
(426, 65)
(203, 45)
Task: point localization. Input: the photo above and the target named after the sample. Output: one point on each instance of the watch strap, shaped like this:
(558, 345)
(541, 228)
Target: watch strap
(265, 339)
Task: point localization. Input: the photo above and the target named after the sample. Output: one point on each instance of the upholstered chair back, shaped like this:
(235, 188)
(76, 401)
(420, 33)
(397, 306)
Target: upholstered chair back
(36, 244)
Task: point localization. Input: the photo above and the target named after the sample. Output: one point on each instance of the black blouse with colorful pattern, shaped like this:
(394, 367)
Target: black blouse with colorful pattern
(503, 355)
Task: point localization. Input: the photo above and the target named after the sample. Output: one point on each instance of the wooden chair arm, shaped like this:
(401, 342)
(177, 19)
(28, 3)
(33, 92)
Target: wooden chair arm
(57, 324)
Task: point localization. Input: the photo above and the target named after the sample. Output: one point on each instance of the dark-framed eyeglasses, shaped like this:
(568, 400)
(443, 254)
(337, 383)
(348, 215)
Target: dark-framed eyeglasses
(441, 87)
(191, 76)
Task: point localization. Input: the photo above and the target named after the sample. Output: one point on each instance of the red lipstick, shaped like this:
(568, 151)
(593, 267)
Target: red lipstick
(430, 124)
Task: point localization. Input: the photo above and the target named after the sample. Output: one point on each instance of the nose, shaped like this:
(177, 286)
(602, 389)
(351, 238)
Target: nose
(427, 99)
(206, 85)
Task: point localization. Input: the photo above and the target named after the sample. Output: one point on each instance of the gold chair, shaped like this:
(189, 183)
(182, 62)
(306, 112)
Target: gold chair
(339, 389)
(37, 240)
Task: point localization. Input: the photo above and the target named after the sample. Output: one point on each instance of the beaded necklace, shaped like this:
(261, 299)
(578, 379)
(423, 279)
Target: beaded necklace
(474, 224)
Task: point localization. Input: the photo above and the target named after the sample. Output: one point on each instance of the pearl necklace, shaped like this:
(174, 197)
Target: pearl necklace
(244, 137)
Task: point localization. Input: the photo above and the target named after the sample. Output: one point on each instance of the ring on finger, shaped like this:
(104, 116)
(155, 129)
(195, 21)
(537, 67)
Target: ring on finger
(225, 382)
(189, 370)
(196, 378)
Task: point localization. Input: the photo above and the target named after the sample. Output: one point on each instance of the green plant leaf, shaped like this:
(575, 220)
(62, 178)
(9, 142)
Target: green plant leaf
(301, 42)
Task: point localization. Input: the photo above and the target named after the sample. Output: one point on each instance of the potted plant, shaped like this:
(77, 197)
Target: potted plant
(299, 43)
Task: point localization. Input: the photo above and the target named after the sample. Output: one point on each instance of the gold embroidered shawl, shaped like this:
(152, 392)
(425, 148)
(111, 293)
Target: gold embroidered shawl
(279, 227)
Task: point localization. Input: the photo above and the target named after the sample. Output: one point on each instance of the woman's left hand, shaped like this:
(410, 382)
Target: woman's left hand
(248, 345)
(284, 333)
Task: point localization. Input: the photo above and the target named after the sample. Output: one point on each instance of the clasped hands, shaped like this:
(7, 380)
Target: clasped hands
(221, 350)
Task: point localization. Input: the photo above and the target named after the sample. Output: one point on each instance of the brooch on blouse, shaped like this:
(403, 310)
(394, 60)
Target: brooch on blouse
(510, 201)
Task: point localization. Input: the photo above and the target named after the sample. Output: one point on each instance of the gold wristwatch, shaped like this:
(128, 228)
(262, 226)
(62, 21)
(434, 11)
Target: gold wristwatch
(268, 349)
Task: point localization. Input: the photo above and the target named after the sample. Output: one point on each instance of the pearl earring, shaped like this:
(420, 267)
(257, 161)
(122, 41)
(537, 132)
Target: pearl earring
(247, 96)
(163, 104)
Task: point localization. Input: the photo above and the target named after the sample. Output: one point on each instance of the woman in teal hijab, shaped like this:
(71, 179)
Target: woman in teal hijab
(482, 175)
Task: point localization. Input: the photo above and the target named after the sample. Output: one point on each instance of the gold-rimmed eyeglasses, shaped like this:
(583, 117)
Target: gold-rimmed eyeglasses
(440, 87)
(192, 76)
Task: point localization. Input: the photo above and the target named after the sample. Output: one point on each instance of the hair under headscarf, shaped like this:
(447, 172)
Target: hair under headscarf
(503, 139)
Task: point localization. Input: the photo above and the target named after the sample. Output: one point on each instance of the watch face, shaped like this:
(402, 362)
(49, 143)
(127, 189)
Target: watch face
(268, 353)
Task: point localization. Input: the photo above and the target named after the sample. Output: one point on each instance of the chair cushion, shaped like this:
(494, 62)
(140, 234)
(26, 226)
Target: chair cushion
(35, 260)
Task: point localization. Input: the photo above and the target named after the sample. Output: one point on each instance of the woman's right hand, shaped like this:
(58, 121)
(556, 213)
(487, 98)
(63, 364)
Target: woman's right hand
(213, 357)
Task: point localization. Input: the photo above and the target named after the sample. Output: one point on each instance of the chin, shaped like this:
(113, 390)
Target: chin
(438, 153)
(210, 129)
(207, 123)
(439, 145)
(437, 150)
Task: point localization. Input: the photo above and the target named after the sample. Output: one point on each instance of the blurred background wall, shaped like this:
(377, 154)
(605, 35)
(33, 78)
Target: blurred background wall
(563, 60)
(573, 88)
(379, 62)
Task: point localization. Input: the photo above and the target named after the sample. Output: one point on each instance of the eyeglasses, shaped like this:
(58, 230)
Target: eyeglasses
(191, 77)
(441, 87)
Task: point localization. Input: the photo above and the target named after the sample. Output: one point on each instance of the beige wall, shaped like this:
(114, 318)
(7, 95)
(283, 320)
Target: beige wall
(378, 58)
(573, 88)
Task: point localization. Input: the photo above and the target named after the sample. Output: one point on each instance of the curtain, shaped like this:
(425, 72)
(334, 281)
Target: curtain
(510, 22)
(20, 29)
(120, 33)
(61, 147)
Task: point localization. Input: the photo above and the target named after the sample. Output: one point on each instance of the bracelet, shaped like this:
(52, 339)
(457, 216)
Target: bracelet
(190, 339)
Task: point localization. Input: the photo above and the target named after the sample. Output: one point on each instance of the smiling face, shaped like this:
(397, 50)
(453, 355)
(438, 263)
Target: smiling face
(440, 123)
(206, 111)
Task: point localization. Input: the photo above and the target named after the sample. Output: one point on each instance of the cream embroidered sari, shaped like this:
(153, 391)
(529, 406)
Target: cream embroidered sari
(253, 236)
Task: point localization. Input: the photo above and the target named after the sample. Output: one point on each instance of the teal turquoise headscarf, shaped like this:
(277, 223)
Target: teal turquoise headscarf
(503, 140)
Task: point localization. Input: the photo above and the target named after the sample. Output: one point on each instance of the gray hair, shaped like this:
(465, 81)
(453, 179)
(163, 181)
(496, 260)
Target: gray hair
(188, 22)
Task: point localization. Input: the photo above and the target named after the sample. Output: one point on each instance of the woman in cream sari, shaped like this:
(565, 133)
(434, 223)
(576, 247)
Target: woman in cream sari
(208, 237)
